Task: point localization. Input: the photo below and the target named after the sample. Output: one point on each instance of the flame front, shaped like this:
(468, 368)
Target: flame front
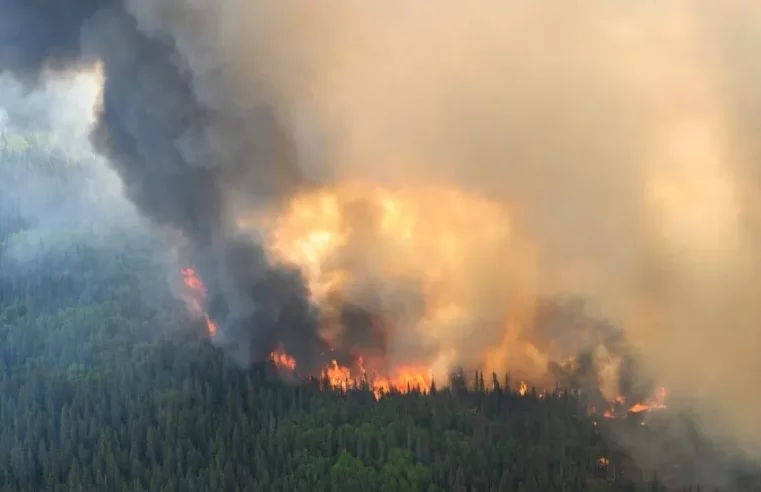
(444, 275)
(471, 286)
(402, 379)
(619, 406)
(436, 267)
(196, 298)
(658, 402)
(283, 360)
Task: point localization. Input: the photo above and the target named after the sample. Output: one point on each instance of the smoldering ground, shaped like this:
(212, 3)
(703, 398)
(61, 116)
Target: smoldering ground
(619, 136)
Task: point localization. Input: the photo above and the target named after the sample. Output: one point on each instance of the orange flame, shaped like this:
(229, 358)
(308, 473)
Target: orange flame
(619, 403)
(339, 377)
(639, 408)
(283, 360)
(403, 378)
(347, 237)
(197, 295)
(211, 326)
(523, 388)
(413, 234)
(657, 403)
(408, 378)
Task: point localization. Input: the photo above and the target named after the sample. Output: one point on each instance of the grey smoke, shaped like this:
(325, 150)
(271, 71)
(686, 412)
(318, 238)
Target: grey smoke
(184, 143)
(623, 134)
(53, 187)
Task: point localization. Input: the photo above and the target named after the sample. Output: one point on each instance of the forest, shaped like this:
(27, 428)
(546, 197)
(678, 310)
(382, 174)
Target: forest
(107, 384)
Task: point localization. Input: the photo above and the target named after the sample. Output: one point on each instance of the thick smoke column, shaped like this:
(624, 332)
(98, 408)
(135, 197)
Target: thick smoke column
(613, 142)
(183, 144)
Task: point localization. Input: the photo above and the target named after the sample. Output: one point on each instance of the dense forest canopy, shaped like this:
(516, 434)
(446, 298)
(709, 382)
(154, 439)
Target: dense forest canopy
(430, 245)
(108, 382)
(395, 192)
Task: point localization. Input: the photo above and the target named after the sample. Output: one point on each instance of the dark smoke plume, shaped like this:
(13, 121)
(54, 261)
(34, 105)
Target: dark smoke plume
(180, 156)
(621, 146)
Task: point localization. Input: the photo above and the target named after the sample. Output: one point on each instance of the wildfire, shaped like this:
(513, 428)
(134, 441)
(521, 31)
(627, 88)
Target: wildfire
(434, 265)
(338, 376)
(657, 403)
(523, 388)
(403, 379)
(196, 297)
(620, 407)
(283, 360)
(444, 291)
(407, 378)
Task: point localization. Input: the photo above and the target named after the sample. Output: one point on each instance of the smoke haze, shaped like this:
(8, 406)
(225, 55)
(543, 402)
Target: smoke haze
(605, 151)
(53, 186)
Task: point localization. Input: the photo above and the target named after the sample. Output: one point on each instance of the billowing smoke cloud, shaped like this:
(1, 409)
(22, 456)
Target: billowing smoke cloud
(185, 137)
(615, 143)
(618, 135)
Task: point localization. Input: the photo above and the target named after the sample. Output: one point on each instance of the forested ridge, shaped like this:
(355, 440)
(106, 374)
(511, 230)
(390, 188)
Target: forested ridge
(106, 384)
